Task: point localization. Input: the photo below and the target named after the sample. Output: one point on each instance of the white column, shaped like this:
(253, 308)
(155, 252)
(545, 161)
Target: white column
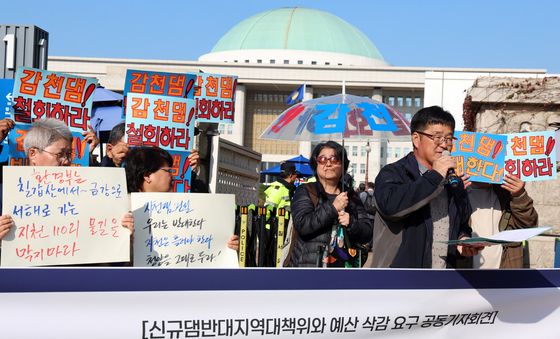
(305, 146)
(379, 147)
(239, 125)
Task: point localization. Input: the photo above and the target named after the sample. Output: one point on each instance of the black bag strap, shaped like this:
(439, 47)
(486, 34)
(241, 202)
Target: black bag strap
(312, 191)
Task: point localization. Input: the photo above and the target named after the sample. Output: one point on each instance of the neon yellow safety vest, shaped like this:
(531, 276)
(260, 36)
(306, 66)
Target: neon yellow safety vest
(277, 196)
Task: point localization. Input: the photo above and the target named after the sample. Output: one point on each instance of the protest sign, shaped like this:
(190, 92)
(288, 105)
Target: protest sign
(6, 110)
(183, 230)
(65, 215)
(40, 94)
(215, 98)
(531, 156)
(162, 84)
(480, 155)
(160, 121)
(153, 120)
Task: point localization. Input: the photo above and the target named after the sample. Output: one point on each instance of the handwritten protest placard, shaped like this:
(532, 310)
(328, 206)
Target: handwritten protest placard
(183, 230)
(480, 155)
(40, 94)
(215, 98)
(531, 156)
(65, 215)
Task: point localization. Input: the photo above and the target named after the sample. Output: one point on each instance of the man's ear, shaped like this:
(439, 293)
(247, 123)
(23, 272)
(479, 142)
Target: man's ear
(109, 151)
(32, 154)
(415, 140)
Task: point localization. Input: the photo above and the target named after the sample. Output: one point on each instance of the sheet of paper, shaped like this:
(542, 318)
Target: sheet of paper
(505, 237)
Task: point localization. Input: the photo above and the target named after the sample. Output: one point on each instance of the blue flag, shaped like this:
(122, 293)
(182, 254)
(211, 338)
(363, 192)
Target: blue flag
(296, 95)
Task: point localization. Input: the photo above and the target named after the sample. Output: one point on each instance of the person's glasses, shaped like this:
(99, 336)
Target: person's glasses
(438, 139)
(64, 155)
(323, 159)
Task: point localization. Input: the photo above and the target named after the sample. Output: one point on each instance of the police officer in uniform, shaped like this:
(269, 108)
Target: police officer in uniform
(279, 194)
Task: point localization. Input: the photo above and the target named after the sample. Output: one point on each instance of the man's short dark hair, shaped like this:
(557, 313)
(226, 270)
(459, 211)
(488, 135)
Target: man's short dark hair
(433, 115)
(287, 169)
(117, 133)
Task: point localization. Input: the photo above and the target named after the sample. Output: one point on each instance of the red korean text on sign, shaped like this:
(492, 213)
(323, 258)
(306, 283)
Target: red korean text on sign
(138, 82)
(30, 82)
(75, 88)
(176, 85)
(226, 88)
(157, 84)
(53, 86)
(519, 146)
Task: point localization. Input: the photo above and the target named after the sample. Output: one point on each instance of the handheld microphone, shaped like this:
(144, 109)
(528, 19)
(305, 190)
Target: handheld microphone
(452, 178)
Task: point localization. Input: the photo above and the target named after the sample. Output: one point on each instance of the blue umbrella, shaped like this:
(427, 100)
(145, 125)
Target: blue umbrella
(301, 163)
(103, 95)
(302, 170)
(105, 117)
(107, 109)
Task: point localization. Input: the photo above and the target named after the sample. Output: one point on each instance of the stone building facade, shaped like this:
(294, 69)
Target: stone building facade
(503, 105)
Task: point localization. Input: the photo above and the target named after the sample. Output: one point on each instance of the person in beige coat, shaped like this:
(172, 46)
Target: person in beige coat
(497, 208)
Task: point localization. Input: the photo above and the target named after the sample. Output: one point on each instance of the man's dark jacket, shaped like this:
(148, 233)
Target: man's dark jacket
(403, 228)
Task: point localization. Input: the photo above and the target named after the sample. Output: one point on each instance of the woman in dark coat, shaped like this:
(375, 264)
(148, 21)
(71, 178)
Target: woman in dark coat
(329, 220)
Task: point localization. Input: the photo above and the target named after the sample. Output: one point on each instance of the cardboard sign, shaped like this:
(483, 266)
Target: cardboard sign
(6, 111)
(40, 94)
(153, 120)
(65, 215)
(480, 155)
(215, 98)
(183, 230)
(531, 156)
(162, 84)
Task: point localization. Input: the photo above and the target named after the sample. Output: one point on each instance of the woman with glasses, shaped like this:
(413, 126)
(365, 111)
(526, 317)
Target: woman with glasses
(329, 220)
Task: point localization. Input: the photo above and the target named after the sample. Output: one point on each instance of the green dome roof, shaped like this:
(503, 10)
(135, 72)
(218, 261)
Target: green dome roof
(297, 29)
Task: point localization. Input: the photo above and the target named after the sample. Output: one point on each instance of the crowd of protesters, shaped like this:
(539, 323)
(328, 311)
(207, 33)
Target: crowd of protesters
(407, 216)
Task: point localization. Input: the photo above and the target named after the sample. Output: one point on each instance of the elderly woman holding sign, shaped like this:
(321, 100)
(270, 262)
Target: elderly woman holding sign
(149, 169)
(49, 143)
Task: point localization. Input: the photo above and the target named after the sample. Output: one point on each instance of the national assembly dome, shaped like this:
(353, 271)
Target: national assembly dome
(295, 36)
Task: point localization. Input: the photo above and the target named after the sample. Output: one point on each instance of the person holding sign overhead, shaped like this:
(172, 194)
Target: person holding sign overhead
(49, 143)
(148, 169)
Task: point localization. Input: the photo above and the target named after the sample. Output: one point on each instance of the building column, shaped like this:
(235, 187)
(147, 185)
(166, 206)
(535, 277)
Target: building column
(239, 125)
(379, 147)
(305, 146)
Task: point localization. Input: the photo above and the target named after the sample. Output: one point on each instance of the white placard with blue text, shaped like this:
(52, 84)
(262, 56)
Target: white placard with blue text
(65, 215)
(183, 229)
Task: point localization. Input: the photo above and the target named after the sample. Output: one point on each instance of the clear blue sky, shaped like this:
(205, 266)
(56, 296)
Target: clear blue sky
(444, 33)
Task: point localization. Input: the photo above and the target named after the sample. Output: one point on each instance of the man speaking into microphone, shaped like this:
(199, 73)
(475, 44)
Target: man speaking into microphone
(420, 202)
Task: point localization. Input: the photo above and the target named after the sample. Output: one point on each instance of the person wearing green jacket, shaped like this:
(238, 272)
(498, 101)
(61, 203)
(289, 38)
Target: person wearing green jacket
(279, 194)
